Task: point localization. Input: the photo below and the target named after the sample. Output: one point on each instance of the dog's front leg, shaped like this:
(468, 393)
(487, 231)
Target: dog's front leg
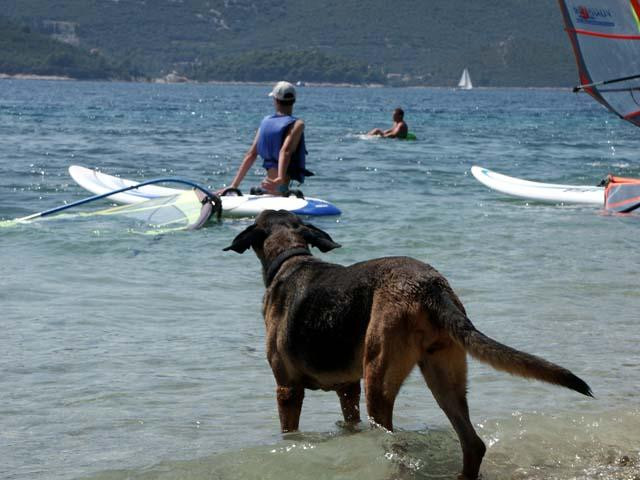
(349, 395)
(289, 407)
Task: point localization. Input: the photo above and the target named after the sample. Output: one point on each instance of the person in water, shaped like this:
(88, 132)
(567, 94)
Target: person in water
(279, 141)
(398, 130)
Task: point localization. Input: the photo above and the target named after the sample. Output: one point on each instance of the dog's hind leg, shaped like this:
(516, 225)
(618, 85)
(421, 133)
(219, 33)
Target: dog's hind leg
(289, 407)
(445, 372)
(388, 361)
(349, 395)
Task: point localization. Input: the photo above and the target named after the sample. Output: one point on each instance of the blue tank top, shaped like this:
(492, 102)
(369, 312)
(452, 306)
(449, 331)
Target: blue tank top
(273, 130)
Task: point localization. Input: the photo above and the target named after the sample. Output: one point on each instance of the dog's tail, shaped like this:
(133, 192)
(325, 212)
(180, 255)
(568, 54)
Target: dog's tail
(502, 357)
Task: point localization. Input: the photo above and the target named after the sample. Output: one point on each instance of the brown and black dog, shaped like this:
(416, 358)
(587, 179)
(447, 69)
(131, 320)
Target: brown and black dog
(328, 326)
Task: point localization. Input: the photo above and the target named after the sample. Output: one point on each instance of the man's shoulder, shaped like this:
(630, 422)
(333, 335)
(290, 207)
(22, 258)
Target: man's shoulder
(266, 118)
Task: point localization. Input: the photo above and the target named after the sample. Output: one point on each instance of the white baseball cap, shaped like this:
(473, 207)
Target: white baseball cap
(283, 91)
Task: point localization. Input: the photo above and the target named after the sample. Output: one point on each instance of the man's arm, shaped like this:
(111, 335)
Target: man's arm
(393, 131)
(247, 162)
(289, 146)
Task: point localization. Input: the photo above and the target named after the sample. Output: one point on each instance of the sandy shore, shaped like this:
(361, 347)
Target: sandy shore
(179, 79)
(26, 76)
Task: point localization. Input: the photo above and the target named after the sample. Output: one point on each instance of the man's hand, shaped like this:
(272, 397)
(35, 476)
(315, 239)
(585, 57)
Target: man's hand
(221, 190)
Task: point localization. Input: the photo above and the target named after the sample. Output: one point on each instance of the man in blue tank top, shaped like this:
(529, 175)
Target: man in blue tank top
(280, 143)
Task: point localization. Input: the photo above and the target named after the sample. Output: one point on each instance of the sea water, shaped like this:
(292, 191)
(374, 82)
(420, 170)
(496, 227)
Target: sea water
(130, 355)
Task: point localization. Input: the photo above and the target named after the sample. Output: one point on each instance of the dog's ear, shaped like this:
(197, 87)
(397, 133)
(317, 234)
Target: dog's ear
(319, 239)
(246, 239)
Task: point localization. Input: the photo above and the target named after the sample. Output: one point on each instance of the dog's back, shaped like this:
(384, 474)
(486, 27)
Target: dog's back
(327, 315)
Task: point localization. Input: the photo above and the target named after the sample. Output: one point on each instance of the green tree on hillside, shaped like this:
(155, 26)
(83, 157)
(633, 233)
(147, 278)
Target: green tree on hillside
(307, 65)
(25, 52)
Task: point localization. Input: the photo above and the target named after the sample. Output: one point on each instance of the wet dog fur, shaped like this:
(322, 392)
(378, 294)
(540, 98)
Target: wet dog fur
(328, 326)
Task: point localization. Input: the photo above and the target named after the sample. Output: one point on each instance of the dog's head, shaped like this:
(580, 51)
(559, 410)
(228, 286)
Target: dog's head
(276, 231)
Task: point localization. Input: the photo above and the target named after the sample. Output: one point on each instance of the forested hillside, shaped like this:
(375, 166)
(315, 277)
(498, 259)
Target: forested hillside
(23, 51)
(502, 42)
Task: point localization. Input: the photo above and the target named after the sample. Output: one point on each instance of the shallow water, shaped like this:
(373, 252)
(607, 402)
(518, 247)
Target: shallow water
(134, 355)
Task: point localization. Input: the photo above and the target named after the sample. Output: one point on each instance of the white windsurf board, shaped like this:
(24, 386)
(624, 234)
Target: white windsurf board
(544, 192)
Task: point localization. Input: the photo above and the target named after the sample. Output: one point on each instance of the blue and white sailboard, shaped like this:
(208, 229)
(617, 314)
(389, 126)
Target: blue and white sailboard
(170, 202)
(606, 42)
(172, 208)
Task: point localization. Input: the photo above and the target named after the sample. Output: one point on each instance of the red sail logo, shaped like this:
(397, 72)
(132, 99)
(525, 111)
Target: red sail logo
(595, 16)
(584, 13)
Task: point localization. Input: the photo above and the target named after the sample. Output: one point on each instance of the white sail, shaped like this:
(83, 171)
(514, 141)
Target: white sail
(465, 81)
(605, 42)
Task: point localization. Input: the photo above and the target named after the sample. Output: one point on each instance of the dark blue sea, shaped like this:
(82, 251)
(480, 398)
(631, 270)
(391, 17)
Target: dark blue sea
(130, 355)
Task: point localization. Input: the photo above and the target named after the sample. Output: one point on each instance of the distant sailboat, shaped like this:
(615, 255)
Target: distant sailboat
(465, 81)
